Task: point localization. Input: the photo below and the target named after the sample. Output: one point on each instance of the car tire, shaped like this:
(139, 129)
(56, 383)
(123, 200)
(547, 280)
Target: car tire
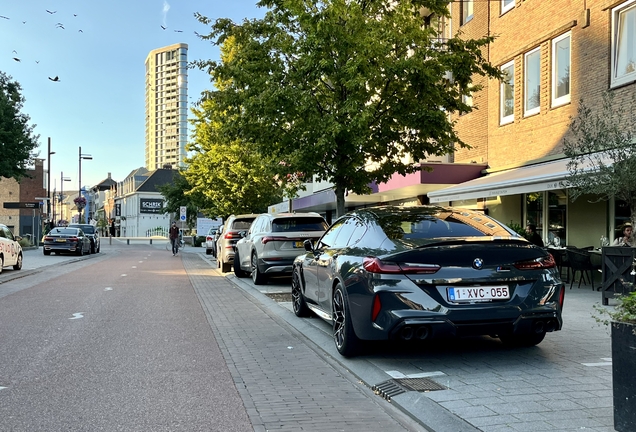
(298, 299)
(525, 340)
(47, 252)
(208, 251)
(18, 264)
(238, 271)
(98, 247)
(257, 277)
(1, 263)
(225, 267)
(92, 248)
(80, 251)
(347, 343)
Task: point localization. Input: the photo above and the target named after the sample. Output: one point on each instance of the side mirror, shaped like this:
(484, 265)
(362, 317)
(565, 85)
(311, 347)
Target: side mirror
(18, 238)
(308, 245)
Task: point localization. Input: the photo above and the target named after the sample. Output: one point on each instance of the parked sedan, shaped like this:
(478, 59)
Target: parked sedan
(10, 249)
(65, 239)
(211, 239)
(424, 272)
(272, 243)
(91, 232)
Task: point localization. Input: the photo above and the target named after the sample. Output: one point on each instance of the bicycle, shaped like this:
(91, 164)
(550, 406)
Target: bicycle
(181, 244)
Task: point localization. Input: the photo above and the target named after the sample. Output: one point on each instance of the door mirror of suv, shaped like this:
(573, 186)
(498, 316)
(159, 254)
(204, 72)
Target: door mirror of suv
(308, 245)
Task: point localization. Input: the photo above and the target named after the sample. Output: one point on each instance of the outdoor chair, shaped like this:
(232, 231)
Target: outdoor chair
(580, 261)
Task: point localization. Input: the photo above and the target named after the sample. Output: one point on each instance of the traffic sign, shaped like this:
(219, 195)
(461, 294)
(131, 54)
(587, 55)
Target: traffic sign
(182, 212)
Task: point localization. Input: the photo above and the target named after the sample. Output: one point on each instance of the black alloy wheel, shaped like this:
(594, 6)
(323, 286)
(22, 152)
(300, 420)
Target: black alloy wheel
(298, 300)
(47, 252)
(347, 343)
(18, 264)
(257, 277)
(238, 271)
(93, 247)
(80, 250)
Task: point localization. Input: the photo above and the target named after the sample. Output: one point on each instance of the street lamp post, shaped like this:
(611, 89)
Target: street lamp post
(48, 180)
(87, 157)
(62, 180)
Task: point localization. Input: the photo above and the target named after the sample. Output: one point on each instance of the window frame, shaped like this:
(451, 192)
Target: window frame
(503, 120)
(616, 12)
(561, 100)
(505, 8)
(463, 18)
(536, 110)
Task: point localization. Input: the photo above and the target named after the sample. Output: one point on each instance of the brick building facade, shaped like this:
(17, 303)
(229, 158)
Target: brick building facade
(556, 53)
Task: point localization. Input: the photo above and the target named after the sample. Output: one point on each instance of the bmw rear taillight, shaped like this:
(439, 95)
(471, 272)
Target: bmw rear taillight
(208, 238)
(73, 239)
(48, 238)
(232, 235)
(536, 264)
(376, 265)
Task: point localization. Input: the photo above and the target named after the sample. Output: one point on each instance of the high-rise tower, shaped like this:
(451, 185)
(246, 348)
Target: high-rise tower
(166, 106)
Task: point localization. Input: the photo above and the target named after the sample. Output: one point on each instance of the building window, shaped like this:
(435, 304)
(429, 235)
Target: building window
(468, 100)
(466, 12)
(506, 5)
(507, 93)
(532, 82)
(561, 70)
(624, 43)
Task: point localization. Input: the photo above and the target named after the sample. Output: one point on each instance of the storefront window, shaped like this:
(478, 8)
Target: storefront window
(621, 215)
(557, 204)
(534, 210)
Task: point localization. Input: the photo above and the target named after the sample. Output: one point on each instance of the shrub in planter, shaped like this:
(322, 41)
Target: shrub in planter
(623, 326)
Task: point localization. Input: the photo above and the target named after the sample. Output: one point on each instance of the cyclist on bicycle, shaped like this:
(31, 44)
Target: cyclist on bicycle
(174, 238)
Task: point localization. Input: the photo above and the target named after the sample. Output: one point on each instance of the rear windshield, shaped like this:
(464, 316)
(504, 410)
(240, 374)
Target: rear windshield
(299, 224)
(458, 224)
(66, 231)
(242, 224)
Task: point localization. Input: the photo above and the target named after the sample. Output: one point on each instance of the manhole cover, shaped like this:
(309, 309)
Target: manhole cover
(394, 387)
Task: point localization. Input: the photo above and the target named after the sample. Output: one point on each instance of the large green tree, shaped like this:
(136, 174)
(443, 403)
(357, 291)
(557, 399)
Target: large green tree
(601, 146)
(232, 175)
(348, 91)
(17, 141)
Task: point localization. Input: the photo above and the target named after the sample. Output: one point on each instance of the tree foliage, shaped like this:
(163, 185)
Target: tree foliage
(348, 91)
(603, 152)
(232, 175)
(179, 193)
(17, 141)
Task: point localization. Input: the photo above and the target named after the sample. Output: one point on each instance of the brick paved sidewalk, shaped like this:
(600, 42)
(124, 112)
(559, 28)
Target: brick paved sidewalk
(284, 383)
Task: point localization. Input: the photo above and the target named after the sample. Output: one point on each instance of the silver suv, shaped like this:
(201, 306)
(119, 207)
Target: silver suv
(228, 238)
(272, 243)
(10, 249)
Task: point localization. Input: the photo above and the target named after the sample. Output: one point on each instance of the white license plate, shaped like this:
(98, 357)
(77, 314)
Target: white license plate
(484, 293)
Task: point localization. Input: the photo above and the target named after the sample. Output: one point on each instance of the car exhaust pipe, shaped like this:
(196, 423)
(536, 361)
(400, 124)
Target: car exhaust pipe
(550, 326)
(422, 333)
(407, 333)
(539, 327)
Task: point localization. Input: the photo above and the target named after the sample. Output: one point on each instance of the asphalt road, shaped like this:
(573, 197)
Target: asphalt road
(117, 341)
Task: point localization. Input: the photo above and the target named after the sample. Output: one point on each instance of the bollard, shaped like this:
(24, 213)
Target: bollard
(110, 240)
(128, 241)
(150, 241)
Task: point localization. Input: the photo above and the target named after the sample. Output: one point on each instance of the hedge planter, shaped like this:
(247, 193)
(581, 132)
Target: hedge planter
(624, 375)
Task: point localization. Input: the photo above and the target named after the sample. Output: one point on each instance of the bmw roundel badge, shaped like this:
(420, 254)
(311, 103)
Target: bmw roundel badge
(478, 263)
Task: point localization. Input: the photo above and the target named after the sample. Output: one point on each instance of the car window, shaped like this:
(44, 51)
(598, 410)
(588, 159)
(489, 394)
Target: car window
(8, 234)
(329, 238)
(2, 233)
(291, 224)
(241, 224)
(350, 233)
(65, 231)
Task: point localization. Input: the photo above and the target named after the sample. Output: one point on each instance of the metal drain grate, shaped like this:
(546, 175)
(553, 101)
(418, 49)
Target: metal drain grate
(394, 387)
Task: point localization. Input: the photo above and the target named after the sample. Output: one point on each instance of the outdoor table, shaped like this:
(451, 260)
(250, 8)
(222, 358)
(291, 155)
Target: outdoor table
(617, 265)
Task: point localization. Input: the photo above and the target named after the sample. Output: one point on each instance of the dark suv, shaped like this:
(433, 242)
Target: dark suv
(91, 233)
(229, 236)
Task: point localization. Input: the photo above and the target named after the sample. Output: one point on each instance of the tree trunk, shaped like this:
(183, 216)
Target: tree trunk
(340, 201)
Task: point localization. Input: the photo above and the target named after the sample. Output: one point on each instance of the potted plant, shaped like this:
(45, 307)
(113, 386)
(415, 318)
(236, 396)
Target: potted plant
(623, 332)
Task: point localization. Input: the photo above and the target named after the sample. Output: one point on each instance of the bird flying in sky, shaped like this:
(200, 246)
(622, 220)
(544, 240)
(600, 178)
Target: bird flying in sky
(16, 59)
(51, 12)
(55, 79)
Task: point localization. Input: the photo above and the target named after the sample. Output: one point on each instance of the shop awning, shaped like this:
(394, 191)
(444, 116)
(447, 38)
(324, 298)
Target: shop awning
(532, 178)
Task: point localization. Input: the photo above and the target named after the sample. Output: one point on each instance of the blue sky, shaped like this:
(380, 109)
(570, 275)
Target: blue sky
(98, 103)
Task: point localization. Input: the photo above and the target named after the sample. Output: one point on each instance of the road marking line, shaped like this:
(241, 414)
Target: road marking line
(134, 266)
(597, 364)
(108, 289)
(398, 374)
(124, 274)
(77, 315)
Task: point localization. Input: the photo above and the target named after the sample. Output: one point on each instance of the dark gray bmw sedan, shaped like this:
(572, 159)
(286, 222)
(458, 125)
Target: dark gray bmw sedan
(424, 272)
